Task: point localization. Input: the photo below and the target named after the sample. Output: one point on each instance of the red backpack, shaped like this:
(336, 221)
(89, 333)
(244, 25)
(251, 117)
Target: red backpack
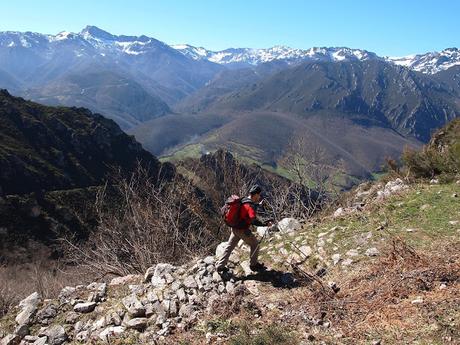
(231, 212)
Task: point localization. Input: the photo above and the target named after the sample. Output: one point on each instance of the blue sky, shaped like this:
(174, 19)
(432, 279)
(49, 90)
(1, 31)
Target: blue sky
(387, 27)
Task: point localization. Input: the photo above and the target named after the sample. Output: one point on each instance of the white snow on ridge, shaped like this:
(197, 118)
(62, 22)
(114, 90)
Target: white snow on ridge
(60, 36)
(93, 40)
(429, 63)
(256, 56)
(196, 53)
(132, 47)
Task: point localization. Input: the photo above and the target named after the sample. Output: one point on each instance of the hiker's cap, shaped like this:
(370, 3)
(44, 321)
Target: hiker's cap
(255, 189)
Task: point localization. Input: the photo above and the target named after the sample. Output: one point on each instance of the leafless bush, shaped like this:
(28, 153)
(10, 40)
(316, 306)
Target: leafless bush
(154, 221)
(47, 277)
(313, 182)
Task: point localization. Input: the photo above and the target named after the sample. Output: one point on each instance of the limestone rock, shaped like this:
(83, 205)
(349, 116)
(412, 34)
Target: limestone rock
(85, 307)
(209, 260)
(352, 252)
(10, 339)
(158, 282)
(252, 286)
(246, 267)
(28, 308)
(229, 287)
(347, 262)
(180, 293)
(190, 282)
(110, 333)
(133, 306)
(30, 338)
(149, 274)
(46, 313)
(287, 225)
(56, 335)
(72, 318)
(418, 300)
(306, 250)
(186, 310)
(98, 291)
(66, 293)
(40, 341)
(82, 336)
(138, 323)
(372, 252)
(162, 269)
(129, 279)
(335, 258)
(338, 213)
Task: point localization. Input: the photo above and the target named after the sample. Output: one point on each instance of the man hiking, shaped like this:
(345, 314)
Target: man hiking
(243, 232)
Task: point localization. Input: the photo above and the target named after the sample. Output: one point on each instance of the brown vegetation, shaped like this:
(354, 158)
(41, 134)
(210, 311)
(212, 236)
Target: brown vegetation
(152, 221)
(441, 157)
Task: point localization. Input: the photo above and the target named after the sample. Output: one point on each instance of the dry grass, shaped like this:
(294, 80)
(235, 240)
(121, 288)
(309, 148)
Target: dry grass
(374, 303)
(46, 277)
(376, 300)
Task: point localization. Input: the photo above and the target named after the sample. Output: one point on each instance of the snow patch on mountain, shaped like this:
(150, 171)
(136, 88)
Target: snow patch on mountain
(254, 57)
(95, 41)
(196, 53)
(429, 63)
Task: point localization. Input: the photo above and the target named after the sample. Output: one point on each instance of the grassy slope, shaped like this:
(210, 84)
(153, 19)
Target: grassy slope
(395, 320)
(368, 307)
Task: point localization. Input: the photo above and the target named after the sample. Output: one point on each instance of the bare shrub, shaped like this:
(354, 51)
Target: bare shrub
(313, 182)
(47, 277)
(154, 220)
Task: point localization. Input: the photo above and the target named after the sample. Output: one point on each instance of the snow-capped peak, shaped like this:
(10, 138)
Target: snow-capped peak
(93, 32)
(429, 63)
(196, 53)
(251, 56)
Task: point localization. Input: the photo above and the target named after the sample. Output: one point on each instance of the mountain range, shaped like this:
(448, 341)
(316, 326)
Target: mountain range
(429, 63)
(357, 106)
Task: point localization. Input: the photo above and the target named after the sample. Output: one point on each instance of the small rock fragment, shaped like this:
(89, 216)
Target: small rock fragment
(133, 306)
(56, 335)
(418, 300)
(138, 323)
(372, 252)
(86, 307)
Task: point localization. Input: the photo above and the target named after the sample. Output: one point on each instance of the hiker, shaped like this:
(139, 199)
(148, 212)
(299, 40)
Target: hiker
(243, 232)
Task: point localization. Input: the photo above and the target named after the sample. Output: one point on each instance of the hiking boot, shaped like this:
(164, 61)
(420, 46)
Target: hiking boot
(258, 267)
(222, 269)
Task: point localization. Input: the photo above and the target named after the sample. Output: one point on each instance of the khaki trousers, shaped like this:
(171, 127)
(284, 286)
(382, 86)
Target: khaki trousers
(240, 234)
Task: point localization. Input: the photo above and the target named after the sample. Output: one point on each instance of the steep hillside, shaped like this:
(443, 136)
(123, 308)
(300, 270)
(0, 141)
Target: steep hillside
(370, 92)
(228, 81)
(386, 272)
(53, 161)
(46, 148)
(117, 97)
